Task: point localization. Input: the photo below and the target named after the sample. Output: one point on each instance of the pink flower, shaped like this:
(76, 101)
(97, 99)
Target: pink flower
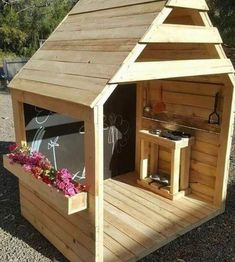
(27, 168)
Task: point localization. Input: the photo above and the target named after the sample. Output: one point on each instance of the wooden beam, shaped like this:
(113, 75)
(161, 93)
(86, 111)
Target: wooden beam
(192, 4)
(171, 33)
(141, 71)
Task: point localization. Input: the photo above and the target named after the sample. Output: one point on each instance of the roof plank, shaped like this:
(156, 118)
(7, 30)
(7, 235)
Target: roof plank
(171, 33)
(85, 6)
(141, 71)
(74, 95)
(193, 4)
(79, 69)
(94, 85)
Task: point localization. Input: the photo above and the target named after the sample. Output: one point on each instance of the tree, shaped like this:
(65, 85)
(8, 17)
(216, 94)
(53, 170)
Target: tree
(223, 16)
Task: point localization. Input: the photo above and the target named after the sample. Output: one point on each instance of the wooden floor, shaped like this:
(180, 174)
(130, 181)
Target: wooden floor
(138, 222)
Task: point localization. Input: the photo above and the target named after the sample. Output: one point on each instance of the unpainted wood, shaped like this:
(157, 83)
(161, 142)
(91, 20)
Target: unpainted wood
(92, 5)
(192, 4)
(173, 33)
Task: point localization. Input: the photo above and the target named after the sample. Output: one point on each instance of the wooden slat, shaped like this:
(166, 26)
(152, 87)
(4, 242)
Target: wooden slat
(61, 93)
(116, 33)
(108, 22)
(196, 177)
(104, 45)
(92, 57)
(150, 7)
(58, 243)
(170, 33)
(141, 71)
(92, 5)
(74, 69)
(192, 4)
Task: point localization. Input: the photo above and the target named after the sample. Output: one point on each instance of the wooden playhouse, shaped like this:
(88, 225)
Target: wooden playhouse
(113, 77)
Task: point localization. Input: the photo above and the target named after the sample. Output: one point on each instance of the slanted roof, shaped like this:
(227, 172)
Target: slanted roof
(87, 48)
(97, 47)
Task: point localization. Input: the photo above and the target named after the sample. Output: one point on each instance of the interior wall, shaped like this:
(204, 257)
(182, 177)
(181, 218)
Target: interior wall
(187, 107)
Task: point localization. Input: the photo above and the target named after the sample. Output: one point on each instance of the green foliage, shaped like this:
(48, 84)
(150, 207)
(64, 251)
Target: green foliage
(223, 16)
(24, 22)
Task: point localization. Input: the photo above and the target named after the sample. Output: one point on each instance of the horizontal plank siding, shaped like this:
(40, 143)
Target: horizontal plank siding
(192, 4)
(92, 5)
(170, 33)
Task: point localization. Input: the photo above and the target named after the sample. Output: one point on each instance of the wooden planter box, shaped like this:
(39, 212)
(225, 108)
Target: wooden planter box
(68, 205)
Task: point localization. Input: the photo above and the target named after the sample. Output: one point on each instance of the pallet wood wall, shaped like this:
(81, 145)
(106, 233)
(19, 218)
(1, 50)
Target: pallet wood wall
(193, 102)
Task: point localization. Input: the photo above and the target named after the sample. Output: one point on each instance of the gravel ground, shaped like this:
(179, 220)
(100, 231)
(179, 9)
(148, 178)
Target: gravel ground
(19, 241)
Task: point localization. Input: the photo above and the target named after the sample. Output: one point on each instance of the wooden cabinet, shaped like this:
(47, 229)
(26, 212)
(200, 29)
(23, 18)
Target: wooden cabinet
(180, 161)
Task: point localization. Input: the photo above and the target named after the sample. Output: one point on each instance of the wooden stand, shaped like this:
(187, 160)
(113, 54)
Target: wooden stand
(67, 205)
(180, 159)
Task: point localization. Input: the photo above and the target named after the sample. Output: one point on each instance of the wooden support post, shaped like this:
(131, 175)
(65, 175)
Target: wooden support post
(18, 114)
(94, 174)
(153, 158)
(175, 170)
(184, 170)
(225, 142)
(144, 159)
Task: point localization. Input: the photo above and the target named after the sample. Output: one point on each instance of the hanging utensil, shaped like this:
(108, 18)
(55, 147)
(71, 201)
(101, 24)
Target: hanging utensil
(160, 105)
(214, 117)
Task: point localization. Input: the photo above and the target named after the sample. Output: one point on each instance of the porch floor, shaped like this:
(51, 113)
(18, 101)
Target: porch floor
(138, 222)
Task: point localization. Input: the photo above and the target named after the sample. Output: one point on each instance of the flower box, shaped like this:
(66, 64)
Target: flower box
(65, 204)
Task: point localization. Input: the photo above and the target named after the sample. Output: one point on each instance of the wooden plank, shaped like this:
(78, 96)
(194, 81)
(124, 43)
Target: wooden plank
(142, 229)
(225, 142)
(144, 155)
(81, 233)
(58, 231)
(77, 69)
(94, 172)
(53, 91)
(119, 250)
(110, 257)
(202, 168)
(131, 245)
(141, 71)
(192, 4)
(86, 84)
(157, 201)
(88, 6)
(188, 99)
(58, 243)
(140, 212)
(175, 171)
(205, 148)
(154, 207)
(184, 168)
(92, 57)
(204, 158)
(196, 177)
(55, 105)
(18, 114)
(115, 33)
(125, 11)
(97, 45)
(107, 22)
(171, 33)
(202, 189)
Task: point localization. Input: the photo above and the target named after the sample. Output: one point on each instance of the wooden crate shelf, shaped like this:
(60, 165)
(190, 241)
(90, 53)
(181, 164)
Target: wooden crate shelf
(180, 159)
(67, 205)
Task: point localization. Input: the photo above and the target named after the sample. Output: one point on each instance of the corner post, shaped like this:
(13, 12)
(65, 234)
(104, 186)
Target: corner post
(94, 174)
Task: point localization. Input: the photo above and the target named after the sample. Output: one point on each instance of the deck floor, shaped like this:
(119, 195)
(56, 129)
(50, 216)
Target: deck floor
(138, 222)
